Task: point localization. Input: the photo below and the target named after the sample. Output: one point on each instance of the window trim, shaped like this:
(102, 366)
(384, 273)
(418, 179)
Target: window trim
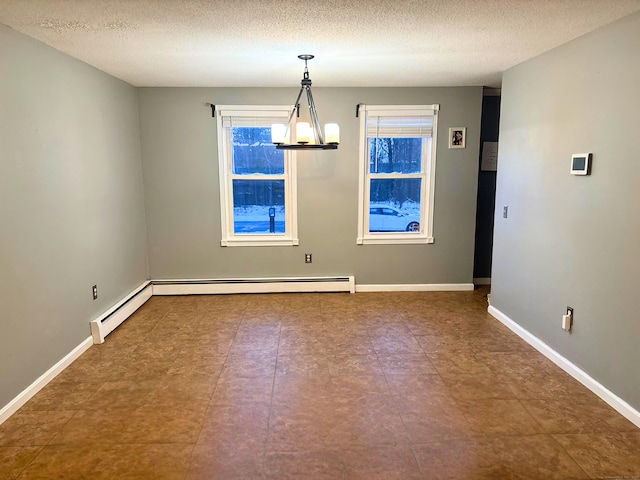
(428, 175)
(226, 177)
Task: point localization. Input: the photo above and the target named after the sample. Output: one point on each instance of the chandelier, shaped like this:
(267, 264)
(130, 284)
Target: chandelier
(308, 135)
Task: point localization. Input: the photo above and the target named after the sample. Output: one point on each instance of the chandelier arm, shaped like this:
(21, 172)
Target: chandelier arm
(295, 107)
(314, 117)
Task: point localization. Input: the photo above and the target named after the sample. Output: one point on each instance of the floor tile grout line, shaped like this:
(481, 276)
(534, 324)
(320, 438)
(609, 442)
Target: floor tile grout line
(273, 386)
(42, 447)
(188, 469)
(53, 437)
(531, 415)
(208, 406)
(569, 455)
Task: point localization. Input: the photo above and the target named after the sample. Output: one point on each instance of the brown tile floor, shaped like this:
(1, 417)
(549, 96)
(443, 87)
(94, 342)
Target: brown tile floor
(315, 386)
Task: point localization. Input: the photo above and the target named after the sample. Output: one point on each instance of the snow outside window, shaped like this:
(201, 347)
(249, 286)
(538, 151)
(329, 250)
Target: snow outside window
(257, 181)
(397, 173)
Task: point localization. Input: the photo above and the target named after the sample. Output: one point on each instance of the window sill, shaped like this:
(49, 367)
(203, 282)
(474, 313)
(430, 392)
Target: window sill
(260, 242)
(393, 240)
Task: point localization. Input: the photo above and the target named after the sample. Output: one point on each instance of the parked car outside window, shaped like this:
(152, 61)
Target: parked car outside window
(385, 218)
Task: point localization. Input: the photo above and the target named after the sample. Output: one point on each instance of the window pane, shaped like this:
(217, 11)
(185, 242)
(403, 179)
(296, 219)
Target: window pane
(253, 152)
(395, 155)
(395, 205)
(258, 206)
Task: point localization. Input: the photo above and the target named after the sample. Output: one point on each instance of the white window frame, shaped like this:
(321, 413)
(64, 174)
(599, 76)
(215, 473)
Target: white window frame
(427, 174)
(254, 115)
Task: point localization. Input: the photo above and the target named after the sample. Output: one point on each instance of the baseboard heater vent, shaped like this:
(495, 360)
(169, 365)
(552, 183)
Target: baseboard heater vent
(112, 318)
(254, 285)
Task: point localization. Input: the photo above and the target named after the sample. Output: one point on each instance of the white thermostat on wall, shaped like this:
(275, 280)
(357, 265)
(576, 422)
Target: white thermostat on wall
(581, 164)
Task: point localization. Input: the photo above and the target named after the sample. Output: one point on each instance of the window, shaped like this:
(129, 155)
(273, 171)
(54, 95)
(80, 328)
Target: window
(397, 173)
(257, 181)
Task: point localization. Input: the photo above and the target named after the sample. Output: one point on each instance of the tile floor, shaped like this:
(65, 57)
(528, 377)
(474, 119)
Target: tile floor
(316, 386)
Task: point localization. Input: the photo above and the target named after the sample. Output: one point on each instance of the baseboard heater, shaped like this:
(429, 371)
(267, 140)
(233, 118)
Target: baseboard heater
(112, 318)
(254, 285)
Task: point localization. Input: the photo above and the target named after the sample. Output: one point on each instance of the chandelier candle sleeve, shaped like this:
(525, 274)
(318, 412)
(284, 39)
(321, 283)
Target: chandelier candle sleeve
(278, 132)
(332, 133)
(303, 132)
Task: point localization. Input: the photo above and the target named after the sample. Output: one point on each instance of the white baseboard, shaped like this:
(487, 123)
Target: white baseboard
(100, 327)
(109, 320)
(254, 285)
(576, 372)
(482, 281)
(295, 284)
(22, 398)
(416, 287)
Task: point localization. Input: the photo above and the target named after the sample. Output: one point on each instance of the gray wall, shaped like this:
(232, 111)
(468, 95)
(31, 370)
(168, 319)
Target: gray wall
(574, 240)
(71, 204)
(183, 206)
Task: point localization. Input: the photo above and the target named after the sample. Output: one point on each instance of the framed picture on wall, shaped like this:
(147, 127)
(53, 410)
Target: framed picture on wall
(458, 137)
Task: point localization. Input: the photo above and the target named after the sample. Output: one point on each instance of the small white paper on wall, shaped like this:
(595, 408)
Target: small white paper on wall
(489, 157)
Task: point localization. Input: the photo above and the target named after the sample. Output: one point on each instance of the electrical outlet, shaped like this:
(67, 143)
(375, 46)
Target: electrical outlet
(307, 258)
(95, 291)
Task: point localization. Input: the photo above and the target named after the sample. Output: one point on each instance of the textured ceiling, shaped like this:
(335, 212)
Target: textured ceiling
(356, 43)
